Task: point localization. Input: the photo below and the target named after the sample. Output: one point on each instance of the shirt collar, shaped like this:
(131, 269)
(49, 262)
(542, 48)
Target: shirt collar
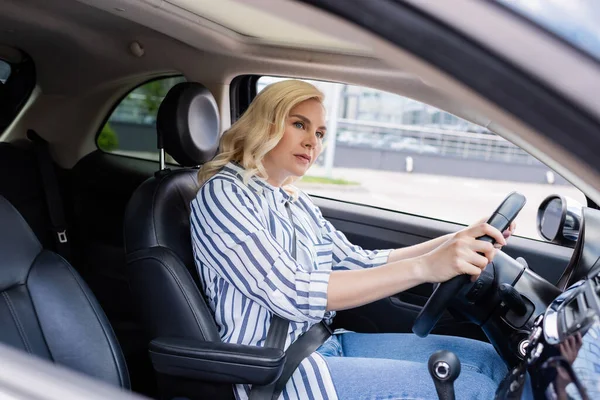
(258, 184)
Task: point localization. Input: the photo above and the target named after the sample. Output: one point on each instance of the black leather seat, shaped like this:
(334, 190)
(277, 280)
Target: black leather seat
(157, 228)
(163, 277)
(48, 311)
(161, 268)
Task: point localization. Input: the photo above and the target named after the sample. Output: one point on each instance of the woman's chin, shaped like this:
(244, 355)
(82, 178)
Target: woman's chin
(301, 171)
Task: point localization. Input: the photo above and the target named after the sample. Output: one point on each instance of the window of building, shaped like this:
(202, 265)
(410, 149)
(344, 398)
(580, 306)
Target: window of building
(131, 128)
(396, 153)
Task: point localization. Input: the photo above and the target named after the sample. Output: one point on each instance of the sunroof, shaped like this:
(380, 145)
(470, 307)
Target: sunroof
(575, 21)
(257, 23)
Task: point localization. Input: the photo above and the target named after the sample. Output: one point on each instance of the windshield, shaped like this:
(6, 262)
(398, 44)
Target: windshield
(575, 21)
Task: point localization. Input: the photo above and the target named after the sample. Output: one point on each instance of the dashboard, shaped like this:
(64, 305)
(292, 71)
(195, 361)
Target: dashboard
(562, 359)
(585, 260)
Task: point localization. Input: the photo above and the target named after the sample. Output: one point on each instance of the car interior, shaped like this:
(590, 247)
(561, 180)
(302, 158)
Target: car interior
(98, 273)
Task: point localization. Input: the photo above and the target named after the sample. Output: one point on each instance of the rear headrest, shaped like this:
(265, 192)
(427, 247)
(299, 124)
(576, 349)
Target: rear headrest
(18, 246)
(188, 121)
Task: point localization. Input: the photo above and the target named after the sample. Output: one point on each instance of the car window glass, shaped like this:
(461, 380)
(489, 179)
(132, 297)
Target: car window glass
(4, 71)
(17, 81)
(131, 128)
(393, 152)
(575, 21)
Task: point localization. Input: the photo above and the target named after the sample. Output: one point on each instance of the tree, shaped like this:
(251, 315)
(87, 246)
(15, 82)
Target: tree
(154, 92)
(108, 139)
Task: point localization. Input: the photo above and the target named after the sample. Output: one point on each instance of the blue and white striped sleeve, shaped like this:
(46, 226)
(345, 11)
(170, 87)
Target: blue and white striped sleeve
(346, 256)
(230, 236)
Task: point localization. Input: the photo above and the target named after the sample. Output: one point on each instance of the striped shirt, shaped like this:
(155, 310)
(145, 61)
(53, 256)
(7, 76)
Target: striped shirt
(242, 241)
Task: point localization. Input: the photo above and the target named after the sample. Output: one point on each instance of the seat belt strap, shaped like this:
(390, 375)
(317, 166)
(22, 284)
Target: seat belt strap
(304, 346)
(51, 190)
(276, 337)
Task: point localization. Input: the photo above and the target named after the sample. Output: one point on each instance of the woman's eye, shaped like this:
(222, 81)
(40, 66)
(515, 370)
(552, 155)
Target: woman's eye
(320, 135)
(299, 125)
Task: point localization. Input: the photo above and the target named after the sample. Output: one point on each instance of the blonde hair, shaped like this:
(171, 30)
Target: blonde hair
(259, 130)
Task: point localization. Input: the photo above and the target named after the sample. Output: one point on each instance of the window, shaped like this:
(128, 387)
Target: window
(17, 81)
(131, 128)
(396, 153)
(4, 71)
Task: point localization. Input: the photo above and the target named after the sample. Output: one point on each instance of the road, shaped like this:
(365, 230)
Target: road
(456, 199)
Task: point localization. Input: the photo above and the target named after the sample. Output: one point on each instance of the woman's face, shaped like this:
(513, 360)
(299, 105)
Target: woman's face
(300, 145)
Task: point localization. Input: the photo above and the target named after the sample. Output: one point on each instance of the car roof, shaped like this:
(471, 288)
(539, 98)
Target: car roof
(87, 46)
(88, 54)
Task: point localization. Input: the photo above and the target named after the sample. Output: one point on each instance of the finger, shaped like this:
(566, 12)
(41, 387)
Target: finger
(494, 233)
(485, 229)
(487, 249)
(510, 230)
(470, 269)
(481, 220)
(477, 260)
(562, 349)
(567, 345)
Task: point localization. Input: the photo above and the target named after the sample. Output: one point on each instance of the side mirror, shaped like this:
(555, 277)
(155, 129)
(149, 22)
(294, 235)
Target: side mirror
(559, 220)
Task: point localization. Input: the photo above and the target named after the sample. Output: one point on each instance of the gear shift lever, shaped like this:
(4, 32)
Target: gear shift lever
(444, 368)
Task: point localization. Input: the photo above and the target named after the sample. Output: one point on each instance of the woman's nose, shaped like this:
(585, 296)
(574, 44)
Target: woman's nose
(311, 140)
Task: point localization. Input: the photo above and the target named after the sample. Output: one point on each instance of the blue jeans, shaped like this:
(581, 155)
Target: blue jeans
(394, 366)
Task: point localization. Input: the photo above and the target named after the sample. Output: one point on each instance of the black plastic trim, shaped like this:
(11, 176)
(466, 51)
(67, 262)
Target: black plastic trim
(242, 91)
(216, 361)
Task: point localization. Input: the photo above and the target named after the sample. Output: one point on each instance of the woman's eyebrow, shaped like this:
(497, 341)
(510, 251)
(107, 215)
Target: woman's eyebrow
(303, 118)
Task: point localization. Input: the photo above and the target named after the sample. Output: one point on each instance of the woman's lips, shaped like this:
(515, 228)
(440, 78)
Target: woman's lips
(302, 159)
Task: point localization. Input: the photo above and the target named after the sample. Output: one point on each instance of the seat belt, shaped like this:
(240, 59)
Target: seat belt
(304, 346)
(52, 192)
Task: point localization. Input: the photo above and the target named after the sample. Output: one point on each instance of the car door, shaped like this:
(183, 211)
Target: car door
(551, 92)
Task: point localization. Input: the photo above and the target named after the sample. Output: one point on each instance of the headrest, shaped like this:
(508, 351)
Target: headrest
(188, 121)
(18, 246)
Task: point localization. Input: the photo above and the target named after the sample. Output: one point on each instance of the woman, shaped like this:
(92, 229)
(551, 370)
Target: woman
(243, 239)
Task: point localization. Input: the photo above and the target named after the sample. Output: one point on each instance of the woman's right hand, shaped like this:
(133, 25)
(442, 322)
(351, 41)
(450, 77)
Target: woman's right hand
(460, 254)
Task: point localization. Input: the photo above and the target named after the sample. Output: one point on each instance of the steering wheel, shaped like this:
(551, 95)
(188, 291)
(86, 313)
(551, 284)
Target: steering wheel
(437, 303)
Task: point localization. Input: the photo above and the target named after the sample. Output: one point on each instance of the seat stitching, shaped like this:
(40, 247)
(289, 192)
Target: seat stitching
(186, 297)
(37, 317)
(15, 317)
(112, 349)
